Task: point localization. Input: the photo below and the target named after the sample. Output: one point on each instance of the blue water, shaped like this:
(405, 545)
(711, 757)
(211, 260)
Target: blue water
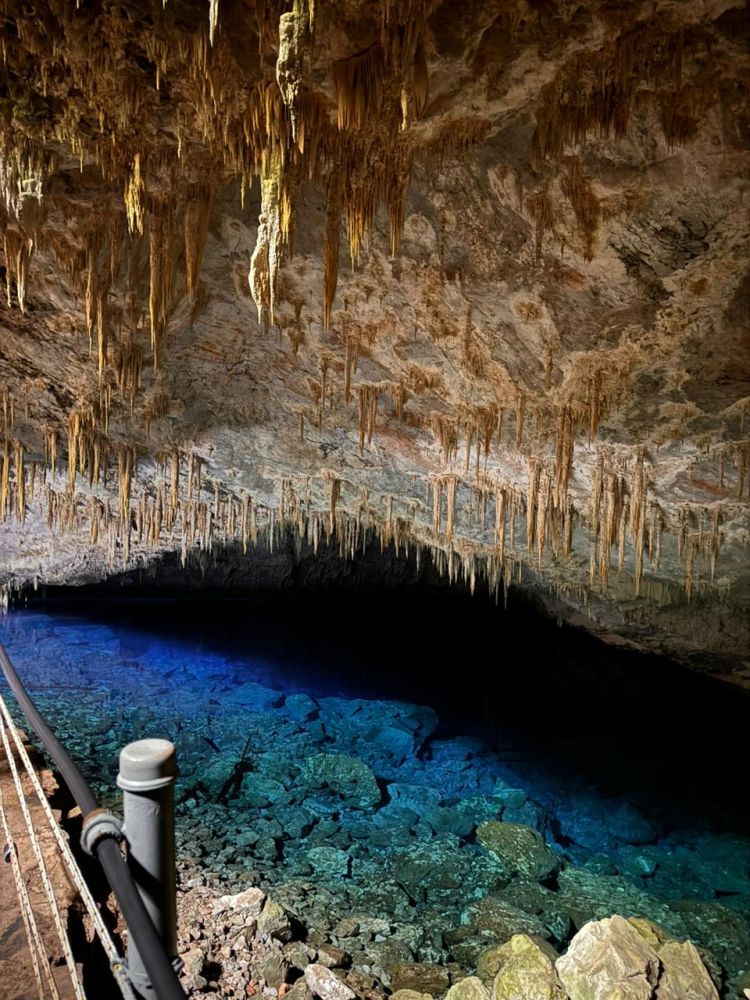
(439, 714)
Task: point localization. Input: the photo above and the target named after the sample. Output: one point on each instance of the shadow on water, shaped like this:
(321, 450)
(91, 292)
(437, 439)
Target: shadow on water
(566, 709)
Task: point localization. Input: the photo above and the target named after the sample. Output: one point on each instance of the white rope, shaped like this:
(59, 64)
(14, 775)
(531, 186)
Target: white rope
(64, 942)
(33, 938)
(70, 861)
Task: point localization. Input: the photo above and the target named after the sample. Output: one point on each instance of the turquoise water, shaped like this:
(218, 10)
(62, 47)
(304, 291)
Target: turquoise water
(342, 750)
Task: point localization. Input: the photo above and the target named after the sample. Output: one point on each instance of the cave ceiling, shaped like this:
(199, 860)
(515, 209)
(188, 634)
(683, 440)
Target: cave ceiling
(468, 279)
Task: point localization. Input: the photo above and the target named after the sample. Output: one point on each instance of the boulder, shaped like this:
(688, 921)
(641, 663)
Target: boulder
(585, 896)
(520, 850)
(609, 959)
(715, 927)
(325, 985)
(329, 862)
(275, 921)
(250, 901)
(258, 790)
(253, 697)
(348, 778)
(421, 977)
(525, 970)
(470, 988)
(300, 708)
(501, 918)
(599, 824)
(684, 975)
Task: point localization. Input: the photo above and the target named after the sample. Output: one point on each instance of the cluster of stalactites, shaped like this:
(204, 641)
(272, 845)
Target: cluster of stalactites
(596, 93)
(529, 521)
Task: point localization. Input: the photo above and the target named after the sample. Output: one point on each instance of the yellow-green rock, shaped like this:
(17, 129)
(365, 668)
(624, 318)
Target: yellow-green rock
(684, 976)
(521, 850)
(492, 960)
(525, 970)
(470, 988)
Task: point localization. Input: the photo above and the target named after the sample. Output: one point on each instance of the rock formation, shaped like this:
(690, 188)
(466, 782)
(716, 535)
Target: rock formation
(464, 280)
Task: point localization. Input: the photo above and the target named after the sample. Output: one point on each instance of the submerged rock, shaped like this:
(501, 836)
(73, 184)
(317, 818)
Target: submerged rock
(525, 970)
(349, 778)
(300, 708)
(422, 978)
(598, 824)
(329, 862)
(608, 959)
(470, 988)
(633, 960)
(685, 976)
(494, 914)
(520, 850)
(325, 985)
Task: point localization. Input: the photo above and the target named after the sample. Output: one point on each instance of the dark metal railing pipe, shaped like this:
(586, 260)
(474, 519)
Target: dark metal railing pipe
(141, 930)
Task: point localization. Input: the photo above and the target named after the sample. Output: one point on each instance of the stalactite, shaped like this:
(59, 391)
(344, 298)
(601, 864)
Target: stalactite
(542, 213)
(595, 404)
(359, 82)
(20, 473)
(160, 269)
(520, 406)
(18, 249)
(576, 187)
(5, 482)
(125, 470)
(500, 515)
(564, 454)
(50, 451)
(213, 19)
(532, 497)
(266, 258)
(294, 29)
(197, 218)
(437, 506)
(595, 526)
(368, 410)
(134, 198)
(331, 240)
(335, 495)
(450, 489)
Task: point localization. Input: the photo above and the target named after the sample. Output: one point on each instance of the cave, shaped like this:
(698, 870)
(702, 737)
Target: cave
(374, 381)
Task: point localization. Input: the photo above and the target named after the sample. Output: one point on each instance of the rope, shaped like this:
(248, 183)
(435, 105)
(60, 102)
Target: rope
(33, 938)
(64, 943)
(116, 962)
(159, 968)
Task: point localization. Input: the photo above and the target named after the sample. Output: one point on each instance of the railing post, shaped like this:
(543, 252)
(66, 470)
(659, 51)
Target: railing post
(148, 769)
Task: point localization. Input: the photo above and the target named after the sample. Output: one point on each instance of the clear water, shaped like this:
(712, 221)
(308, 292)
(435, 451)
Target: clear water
(634, 771)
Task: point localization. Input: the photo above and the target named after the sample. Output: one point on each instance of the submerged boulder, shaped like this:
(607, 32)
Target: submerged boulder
(349, 778)
(501, 918)
(520, 850)
(524, 970)
(421, 977)
(685, 976)
(469, 988)
(608, 959)
(633, 960)
(329, 861)
(325, 985)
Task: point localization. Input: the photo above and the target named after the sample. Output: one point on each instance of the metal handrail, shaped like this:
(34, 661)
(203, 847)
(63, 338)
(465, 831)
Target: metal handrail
(106, 848)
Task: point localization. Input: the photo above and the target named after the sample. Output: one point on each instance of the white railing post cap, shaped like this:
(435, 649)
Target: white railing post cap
(147, 765)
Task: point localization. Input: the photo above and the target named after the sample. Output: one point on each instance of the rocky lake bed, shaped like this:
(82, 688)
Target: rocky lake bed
(334, 846)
